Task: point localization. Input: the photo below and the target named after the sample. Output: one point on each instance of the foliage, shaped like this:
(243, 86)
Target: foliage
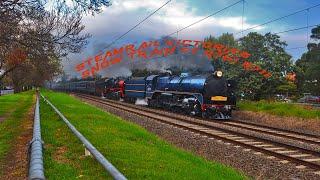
(219, 64)
(308, 74)
(266, 51)
(143, 72)
(82, 6)
(280, 109)
(287, 88)
(35, 35)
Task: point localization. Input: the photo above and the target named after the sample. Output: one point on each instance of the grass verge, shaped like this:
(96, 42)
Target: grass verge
(137, 153)
(280, 109)
(13, 108)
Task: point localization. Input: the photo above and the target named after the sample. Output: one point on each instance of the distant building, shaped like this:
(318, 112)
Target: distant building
(6, 90)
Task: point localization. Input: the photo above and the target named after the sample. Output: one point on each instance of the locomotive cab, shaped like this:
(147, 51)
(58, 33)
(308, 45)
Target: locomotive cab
(218, 96)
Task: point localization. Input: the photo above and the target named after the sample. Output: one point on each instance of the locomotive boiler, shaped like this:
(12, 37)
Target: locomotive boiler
(208, 96)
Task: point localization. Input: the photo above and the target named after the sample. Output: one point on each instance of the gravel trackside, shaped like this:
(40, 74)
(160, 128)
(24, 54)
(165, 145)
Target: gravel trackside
(309, 126)
(254, 164)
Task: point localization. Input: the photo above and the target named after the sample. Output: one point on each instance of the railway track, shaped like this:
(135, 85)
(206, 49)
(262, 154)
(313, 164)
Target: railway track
(302, 157)
(302, 137)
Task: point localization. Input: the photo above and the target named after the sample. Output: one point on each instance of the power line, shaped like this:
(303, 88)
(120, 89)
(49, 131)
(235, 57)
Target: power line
(227, 7)
(196, 22)
(277, 19)
(299, 47)
(295, 29)
(137, 24)
(308, 25)
(242, 16)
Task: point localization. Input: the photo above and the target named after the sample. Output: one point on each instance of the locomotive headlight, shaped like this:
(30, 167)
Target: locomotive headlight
(219, 73)
(228, 107)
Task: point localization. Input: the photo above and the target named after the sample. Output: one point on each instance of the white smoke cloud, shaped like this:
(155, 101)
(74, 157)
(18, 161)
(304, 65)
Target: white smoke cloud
(123, 14)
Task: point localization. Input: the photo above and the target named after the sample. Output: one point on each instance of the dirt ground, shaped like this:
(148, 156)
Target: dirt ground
(2, 118)
(17, 159)
(311, 126)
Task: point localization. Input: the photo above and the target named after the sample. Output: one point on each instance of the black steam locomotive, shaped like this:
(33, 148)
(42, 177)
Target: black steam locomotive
(207, 96)
(210, 96)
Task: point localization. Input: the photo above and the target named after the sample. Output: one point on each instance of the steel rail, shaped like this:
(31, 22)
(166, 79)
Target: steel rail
(279, 134)
(269, 130)
(36, 170)
(114, 172)
(241, 121)
(170, 120)
(316, 105)
(198, 121)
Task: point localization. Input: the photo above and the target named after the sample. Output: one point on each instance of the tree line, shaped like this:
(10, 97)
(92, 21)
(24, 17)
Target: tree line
(36, 34)
(268, 51)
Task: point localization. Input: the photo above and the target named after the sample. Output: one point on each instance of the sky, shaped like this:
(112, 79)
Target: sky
(115, 20)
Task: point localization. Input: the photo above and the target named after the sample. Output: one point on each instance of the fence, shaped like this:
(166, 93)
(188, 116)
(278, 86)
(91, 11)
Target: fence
(36, 170)
(3, 92)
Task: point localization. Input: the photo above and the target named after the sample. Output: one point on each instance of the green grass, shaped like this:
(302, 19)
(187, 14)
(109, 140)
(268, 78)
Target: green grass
(280, 109)
(64, 154)
(137, 153)
(8, 103)
(13, 108)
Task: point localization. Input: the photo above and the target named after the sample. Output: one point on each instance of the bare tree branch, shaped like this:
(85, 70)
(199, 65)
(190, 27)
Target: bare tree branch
(44, 35)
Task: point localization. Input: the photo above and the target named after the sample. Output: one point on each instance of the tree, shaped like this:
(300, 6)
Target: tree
(35, 35)
(287, 89)
(82, 6)
(218, 64)
(268, 52)
(143, 72)
(308, 66)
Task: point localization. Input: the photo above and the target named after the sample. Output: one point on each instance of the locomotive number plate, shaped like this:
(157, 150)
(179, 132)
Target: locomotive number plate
(219, 98)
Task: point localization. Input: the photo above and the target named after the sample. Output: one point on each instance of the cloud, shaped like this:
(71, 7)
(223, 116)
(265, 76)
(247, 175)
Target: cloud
(124, 14)
(1, 72)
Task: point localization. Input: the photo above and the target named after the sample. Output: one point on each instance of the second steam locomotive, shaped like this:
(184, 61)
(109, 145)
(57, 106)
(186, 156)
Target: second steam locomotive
(210, 96)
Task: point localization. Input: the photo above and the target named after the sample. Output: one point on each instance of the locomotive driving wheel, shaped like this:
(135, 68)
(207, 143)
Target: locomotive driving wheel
(195, 109)
(204, 115)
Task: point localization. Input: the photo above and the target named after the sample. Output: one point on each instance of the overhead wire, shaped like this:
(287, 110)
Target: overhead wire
(279, 18)
(147, 17)
(296, 29)
(307, 26)
(179, 30)
(289, 30)
(299, 47)
(227, 7)
(242, 17)
(196, 22)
